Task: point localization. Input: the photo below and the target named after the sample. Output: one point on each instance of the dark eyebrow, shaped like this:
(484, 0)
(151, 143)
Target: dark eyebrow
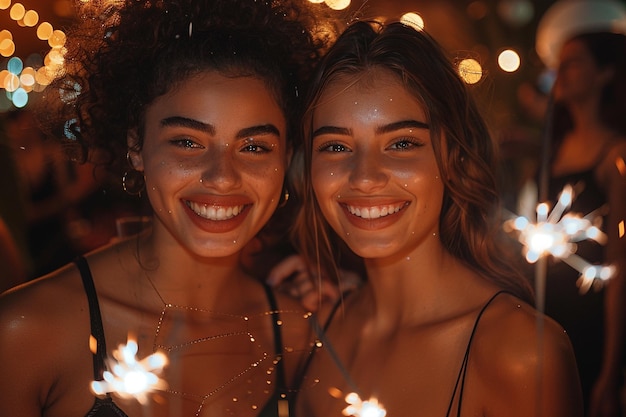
(268, 129)
(210, 129)
(187, 122)
(404, 124)
(325, 130)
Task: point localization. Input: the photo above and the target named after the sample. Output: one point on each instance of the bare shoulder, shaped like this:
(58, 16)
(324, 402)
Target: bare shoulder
(43, 326)
(520, 353)
(30, 309)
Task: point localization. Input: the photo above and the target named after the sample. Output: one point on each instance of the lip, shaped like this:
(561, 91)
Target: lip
(373, 215)
(217, 214)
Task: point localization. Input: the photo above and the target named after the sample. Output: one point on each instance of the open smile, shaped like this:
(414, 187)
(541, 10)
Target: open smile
(375, 212)
(214, 212)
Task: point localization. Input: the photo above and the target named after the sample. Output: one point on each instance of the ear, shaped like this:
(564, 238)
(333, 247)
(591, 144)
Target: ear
(134, 151)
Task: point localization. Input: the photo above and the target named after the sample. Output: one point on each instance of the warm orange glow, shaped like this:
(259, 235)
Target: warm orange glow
(31, 18)
(17, 11)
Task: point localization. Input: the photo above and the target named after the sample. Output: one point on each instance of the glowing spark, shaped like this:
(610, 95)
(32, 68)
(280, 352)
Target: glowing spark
(360, 408)
(621, 166)
(555, 233)
(129, 377)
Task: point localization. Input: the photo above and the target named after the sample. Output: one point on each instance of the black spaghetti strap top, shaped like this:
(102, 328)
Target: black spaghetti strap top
(462, 372)
(105, 407)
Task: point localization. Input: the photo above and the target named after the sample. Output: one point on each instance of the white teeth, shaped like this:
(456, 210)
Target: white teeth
(375, 212)
(213, 212)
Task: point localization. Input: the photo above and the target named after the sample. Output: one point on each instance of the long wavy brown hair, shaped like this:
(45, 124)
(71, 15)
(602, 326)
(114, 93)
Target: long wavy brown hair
(466, 156)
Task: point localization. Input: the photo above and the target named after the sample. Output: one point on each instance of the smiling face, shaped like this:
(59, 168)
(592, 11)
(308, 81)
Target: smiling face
(214, 158)
(374, 171)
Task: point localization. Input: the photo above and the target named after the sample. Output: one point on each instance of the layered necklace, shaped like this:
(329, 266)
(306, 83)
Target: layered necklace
(226, 327)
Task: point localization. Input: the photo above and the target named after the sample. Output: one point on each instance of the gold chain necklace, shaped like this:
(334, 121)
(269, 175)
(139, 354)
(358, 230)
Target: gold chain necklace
(201, 399)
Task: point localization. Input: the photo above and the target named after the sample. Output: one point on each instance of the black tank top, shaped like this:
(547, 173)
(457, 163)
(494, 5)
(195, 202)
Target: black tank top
(105, 407)
(460, 381)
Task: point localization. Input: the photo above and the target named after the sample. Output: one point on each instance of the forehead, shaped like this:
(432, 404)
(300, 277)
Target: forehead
(210, 96)
(374, 94)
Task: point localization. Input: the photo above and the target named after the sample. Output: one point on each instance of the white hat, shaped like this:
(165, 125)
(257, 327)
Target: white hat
(568, 18)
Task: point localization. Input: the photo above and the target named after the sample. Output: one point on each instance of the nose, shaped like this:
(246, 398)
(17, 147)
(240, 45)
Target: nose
(219, 170)
(368, 172)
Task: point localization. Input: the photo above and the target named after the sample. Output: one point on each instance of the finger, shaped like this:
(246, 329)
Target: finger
(284, 269)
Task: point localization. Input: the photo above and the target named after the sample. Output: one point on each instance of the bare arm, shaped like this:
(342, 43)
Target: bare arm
(605, 395)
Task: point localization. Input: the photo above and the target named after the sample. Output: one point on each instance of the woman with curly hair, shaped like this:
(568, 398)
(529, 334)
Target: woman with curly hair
(398, 166)
(195, 103)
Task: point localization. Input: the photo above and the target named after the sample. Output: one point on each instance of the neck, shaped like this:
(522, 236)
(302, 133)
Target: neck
(413, 289)
(182, 278)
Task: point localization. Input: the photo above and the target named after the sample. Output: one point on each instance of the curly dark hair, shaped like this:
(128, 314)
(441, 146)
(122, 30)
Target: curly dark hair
(122, 55)
(463, 147)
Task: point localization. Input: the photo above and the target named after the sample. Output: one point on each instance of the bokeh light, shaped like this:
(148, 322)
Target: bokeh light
(470, 70)
(509, 60)
(338, 4)
(17, 11)
(414, 20)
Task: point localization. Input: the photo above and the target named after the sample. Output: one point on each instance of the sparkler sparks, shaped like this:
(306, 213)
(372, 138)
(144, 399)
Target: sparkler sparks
(360, 408)
(557, 232)
(129, 377)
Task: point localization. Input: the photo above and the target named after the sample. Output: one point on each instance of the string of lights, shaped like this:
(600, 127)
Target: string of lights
(19, 79)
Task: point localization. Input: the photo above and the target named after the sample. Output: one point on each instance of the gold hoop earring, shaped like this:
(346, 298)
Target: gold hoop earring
(133, 181)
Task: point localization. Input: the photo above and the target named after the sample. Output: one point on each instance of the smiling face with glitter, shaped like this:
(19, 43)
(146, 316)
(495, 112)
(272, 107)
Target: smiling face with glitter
(214, 158)
(373, 166)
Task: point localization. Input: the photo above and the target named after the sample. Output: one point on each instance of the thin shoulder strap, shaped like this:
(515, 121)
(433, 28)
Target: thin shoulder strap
(278, 338)
(320, 334)
(332, 313)
(463, 371)
(97, 330)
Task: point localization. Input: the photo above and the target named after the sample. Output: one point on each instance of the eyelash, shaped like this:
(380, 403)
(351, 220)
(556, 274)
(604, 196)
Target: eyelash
(258, 147)
(185, 143)
(251, 146)
(326, 147)
(406, 143)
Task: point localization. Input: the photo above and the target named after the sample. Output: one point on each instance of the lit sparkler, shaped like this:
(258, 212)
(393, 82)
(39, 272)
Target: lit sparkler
(557, 232)
(359, 408)
(129, 377)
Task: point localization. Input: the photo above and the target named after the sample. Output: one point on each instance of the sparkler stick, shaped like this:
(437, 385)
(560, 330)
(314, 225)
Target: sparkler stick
(541, 267)
(356, 406)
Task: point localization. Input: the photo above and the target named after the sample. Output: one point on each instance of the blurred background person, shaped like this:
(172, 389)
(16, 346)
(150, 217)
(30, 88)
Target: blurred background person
(587, 149)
